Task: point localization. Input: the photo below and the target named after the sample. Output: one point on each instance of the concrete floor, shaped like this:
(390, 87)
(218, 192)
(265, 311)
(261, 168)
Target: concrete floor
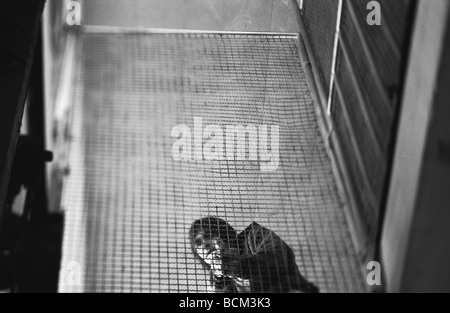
(229, 15)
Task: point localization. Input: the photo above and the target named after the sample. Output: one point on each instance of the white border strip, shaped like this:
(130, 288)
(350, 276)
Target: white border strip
(141, 30)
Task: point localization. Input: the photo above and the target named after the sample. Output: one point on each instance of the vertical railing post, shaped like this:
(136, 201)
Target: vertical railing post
(335, 53)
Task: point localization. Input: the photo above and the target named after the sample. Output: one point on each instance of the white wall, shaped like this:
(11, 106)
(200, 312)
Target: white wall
(416, 231)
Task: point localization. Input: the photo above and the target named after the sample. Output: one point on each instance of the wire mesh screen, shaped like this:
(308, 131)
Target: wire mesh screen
(385, 42)
(374, 163)
(398, 13)
(369, 80)
(364, 197)
(130, 205)
(320, 17)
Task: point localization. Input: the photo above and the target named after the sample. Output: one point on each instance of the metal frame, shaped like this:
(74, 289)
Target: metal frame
(140, 30)
(342, 50)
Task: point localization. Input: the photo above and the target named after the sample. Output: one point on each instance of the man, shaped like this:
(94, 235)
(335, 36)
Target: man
(256, 260)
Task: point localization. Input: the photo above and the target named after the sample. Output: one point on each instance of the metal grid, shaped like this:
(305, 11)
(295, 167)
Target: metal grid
(386, 54)
(380, 110)
(374, 163)
(320, 20)
(368, 75)
(129, 205)
(364, 199)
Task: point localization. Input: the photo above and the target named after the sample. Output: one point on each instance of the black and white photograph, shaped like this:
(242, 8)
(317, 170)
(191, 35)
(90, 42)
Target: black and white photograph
(224, 151)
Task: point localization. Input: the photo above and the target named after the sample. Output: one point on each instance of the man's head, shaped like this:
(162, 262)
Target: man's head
(214, 241)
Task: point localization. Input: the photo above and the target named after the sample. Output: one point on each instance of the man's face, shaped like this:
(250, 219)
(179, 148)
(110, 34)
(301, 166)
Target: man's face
(211, 253)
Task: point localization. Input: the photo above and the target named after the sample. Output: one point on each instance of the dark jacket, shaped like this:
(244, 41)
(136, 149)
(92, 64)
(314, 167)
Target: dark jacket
(269, 263)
